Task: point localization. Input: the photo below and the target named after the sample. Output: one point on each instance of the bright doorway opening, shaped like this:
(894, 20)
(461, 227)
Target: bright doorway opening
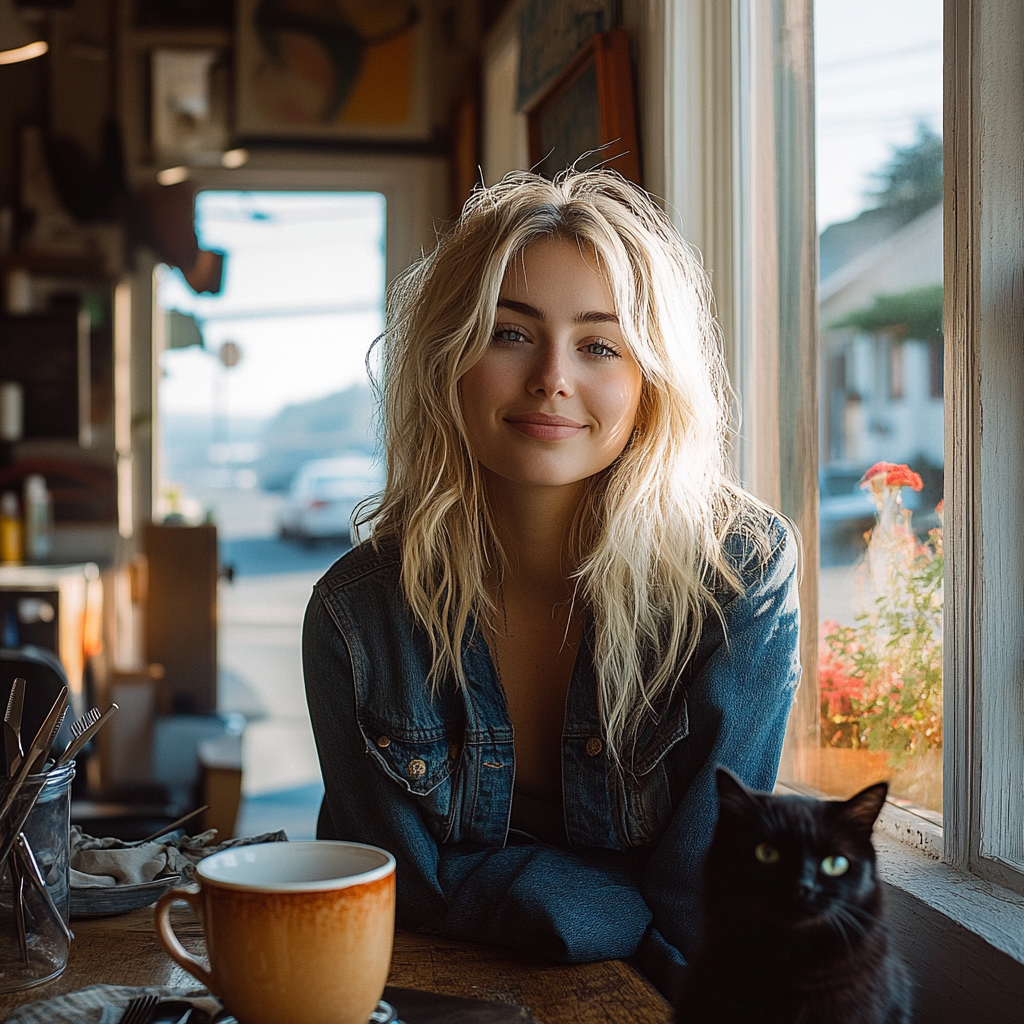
(256, 383)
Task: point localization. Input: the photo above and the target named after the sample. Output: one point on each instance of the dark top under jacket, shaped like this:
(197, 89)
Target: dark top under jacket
(430, 776)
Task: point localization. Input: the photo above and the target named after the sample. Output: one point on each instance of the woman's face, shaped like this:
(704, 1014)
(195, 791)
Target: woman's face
(554, 398)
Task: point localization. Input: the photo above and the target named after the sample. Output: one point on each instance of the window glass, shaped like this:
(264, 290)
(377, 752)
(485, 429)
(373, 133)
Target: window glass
(879, 201)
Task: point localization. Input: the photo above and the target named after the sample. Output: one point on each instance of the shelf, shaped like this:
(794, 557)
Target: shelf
(152, 38)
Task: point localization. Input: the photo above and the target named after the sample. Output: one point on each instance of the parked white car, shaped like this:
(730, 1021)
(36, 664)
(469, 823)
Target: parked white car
(324, 495)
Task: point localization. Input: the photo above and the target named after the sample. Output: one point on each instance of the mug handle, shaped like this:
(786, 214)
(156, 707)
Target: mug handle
(165, 933)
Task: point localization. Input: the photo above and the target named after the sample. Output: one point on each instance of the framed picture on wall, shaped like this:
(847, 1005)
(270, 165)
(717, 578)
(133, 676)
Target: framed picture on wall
(586, 117)
(189, 113)
(337, 69)
(466, 141)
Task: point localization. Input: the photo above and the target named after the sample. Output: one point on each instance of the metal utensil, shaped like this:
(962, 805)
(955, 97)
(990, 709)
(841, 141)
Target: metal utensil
(173, 825)
(12, 726)
(39, 748)
(60, 707)
(78, 726)
(18, 906)
(36, 752)
(28, 861)
(84, 736)
(138, 1009)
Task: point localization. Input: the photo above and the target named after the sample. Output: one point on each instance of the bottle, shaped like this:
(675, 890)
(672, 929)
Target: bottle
(12, 534)
(38, 519)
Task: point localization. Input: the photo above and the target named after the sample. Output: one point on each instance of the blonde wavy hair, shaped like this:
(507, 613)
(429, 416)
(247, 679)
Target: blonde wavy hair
(647, 547)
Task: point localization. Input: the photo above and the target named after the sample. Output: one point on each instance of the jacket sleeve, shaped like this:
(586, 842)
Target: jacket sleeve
(738, 701)
(567, 906)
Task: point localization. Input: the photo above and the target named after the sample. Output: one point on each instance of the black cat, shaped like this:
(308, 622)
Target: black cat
(792, 926)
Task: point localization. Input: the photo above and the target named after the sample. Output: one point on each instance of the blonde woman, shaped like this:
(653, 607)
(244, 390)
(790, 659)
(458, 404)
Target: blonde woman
(566, 614)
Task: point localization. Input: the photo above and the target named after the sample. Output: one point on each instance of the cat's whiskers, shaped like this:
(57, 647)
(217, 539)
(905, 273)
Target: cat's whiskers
(864, 915)
(836, 924)
(846, 915)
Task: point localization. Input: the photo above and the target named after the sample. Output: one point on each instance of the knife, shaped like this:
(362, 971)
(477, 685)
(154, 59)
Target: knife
(12, 727)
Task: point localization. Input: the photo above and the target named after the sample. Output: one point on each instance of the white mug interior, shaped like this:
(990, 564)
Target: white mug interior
(307, 866)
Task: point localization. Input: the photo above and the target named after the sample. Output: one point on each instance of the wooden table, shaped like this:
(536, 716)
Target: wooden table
(124, 951)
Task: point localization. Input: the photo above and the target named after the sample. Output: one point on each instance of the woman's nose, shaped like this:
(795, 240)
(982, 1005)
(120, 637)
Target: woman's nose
(550, 372)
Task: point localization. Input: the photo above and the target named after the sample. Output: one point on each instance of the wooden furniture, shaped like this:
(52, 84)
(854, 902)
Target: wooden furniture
(181, 613)
(220, 771)
(124, 951)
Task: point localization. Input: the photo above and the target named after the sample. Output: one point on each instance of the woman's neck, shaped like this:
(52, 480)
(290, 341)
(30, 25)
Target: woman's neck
(533, 524)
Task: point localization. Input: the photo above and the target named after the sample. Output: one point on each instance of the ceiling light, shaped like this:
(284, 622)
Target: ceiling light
(172, 176)
(234, 158)
(17, 42)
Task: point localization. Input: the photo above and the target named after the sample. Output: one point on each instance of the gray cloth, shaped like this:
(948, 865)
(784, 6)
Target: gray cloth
(110, 862)
(104, 1004)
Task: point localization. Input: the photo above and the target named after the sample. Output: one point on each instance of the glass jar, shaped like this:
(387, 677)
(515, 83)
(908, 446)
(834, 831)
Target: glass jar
(43, 952)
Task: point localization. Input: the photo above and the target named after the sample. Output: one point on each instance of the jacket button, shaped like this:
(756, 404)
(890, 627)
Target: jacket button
(417, 768)
(384, 741)
(594, 746)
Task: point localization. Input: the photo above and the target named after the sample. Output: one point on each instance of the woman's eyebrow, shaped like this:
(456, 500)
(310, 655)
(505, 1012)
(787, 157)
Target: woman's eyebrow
(595, 316)
(522, 307)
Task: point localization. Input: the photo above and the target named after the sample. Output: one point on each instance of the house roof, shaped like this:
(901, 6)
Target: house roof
(909, 257)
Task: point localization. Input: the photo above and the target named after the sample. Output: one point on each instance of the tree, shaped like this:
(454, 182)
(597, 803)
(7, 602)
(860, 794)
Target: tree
(912, 180)
(911, 314)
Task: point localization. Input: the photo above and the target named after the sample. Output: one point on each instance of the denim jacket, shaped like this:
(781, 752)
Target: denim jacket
(429, 776)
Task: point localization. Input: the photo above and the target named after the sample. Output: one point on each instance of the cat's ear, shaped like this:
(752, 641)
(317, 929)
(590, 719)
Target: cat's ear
(732, 794)
(861, 810)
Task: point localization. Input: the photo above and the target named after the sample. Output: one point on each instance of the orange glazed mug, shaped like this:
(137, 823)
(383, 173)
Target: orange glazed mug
(295, 932)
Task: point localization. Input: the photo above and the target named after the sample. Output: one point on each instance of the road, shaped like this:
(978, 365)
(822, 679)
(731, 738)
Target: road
(259, 657)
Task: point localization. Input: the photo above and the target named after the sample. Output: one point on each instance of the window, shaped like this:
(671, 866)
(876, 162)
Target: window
(878, 119)
(742, 196)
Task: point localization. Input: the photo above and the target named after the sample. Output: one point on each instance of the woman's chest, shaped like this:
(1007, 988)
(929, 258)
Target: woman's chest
(534, 668)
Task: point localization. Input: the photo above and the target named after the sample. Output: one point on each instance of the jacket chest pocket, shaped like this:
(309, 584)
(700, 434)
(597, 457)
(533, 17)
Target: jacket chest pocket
(645, 796)
(424, 766)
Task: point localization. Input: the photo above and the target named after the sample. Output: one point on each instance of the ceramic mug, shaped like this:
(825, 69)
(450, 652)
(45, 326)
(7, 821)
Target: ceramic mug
(294, 931)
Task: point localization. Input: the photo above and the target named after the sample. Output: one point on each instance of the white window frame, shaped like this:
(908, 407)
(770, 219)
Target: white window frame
(983, 670)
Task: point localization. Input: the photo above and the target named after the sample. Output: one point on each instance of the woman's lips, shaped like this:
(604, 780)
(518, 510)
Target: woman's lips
(543, 427)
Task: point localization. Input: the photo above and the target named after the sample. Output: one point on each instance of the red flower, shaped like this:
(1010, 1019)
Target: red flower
(892, 475)
(878, 469)
(903, 476)
(941, 505)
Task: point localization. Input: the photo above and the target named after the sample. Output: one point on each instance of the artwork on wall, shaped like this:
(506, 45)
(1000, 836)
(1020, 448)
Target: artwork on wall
(338, 69)
(586, 117)
(190, 102)
(466, 141)
(551, 33)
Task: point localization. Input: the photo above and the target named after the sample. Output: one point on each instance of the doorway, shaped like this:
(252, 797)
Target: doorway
(257, 382)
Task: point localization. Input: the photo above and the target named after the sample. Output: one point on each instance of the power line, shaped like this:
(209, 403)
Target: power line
(876, 58)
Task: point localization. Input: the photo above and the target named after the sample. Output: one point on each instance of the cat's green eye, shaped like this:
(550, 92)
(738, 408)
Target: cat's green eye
(766, 853)
(835, 866)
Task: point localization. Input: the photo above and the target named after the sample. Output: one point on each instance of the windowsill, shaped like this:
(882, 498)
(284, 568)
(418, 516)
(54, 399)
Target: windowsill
(991, 912)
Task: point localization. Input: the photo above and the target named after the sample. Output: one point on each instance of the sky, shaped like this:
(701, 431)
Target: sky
(313, 260)
(878, 73)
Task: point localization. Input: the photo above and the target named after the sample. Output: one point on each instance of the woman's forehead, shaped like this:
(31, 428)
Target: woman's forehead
(543, 257)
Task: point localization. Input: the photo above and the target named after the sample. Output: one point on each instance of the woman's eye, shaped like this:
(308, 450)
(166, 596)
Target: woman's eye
(601, 350)
(835, 866)
(509, 334)
(767, 854)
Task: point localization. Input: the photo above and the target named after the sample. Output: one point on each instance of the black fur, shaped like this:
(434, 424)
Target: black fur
(785, 942)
